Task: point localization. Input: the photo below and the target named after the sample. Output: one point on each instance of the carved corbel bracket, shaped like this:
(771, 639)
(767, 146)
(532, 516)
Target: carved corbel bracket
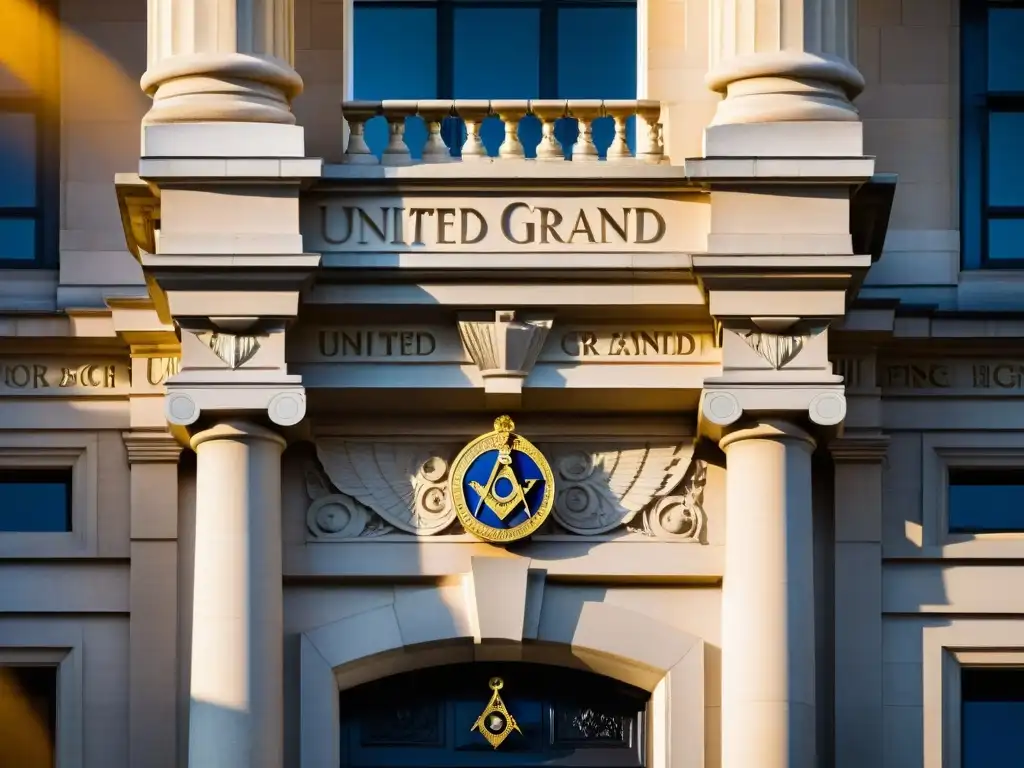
(505, 347)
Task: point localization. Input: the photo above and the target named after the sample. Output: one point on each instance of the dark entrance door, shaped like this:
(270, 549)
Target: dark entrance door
(425, 719)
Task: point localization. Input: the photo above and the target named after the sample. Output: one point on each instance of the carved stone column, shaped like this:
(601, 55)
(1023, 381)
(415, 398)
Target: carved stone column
(236, 711)
(221, 62)
(784, 61)
(768, 692)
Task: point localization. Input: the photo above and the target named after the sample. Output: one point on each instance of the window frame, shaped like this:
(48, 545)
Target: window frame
(74, 451)
(445, 44)
(977, 103)
(45, 108)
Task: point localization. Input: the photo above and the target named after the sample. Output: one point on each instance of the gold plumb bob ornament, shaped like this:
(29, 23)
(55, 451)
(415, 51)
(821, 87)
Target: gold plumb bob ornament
(495, 723)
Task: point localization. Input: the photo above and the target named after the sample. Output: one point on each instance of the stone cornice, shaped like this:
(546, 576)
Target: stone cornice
(853, 448)
(151, 447)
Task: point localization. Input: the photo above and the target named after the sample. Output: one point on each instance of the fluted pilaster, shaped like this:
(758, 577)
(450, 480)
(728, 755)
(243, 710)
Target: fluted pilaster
(221, 61)
(784, 60)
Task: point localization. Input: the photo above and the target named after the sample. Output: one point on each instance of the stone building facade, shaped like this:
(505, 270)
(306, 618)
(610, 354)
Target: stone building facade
(758, 311)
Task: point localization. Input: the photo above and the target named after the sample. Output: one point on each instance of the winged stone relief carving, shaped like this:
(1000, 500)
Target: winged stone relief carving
(680, 515)
(406, 484)
(337, 516)
(599, 491)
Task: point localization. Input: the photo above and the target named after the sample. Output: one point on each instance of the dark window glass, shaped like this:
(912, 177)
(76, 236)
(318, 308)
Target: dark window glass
(1006, 239)
(992, 109)
(488, 65)
(986, 500)
(394, 52)
(28, 708)
(426, 718)
(992, 717)
(597, 52)
(17, 160)
(35, 501)
(1005, 52)
(17, 238)
(1006, 158)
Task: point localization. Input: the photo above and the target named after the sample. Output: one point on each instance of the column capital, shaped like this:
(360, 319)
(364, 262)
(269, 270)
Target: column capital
(151, 446)
(284, 405)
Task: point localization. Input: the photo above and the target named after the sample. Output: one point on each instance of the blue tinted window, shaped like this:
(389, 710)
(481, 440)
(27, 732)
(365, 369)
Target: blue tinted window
(17, 238)
(1005, 51)
(395, 52)
(597, 53)
(497, 53)
(1006, 239)
(17, 160)
(1006, 158)
(992, 717)
(35, 501)
(986, 500)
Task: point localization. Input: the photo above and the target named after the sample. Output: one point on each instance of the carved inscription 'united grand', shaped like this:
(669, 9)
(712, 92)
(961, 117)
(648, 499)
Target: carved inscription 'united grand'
(446, 223)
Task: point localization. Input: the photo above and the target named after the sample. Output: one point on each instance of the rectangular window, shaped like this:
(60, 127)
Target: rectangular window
(992, 713)
(494, 49)
(28, 716)
(986, 500)
(992, 112)
(29, 136)
(35, 501)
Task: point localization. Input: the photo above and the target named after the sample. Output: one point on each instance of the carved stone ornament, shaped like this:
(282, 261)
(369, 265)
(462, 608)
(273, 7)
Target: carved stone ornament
(779, 349)
(406, 484)
(368, 489)
(598, 491)
(233, 349)
(337, 516)
(505, 345)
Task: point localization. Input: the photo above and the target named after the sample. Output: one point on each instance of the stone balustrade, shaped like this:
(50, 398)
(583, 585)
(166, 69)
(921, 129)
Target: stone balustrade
(469, 115)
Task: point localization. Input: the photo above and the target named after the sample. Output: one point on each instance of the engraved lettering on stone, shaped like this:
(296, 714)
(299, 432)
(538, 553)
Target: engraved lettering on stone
(404, 483)
(918, 376)
(598, 491)
(160, 369)
(235, 351)
(352, 342)
(519, 224)
(628, 343)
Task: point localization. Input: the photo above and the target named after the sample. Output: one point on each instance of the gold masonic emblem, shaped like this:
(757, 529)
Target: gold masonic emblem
(503, 502)
(502, 486)
(495, 723)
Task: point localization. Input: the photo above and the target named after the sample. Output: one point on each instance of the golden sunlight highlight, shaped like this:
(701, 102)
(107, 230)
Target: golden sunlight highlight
(32, 42)
(25, 740)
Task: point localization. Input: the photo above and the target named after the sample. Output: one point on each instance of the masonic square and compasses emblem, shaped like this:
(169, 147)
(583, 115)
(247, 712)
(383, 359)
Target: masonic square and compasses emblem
(495, 723)
(502, 486)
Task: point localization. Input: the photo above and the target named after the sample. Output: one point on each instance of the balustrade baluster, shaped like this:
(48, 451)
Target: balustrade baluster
(397, 151)
(433, 113)
(650, 148)
(548, 112)
(511, 112)
(356, 114)
(585, 113)
(620, 112)
(473, 113)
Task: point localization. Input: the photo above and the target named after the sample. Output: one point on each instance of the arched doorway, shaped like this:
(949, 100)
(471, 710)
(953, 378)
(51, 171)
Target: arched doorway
(425, 719)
